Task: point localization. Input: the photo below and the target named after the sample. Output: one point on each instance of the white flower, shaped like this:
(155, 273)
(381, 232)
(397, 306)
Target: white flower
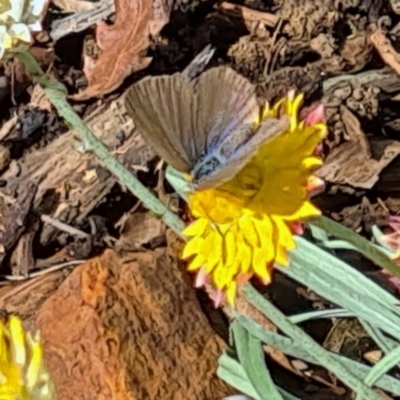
(18, 18)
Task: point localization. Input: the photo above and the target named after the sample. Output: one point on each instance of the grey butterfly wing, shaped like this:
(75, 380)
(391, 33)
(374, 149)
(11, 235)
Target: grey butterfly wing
(225, 101)
(162, 108)
(181, 120)
(229, 162)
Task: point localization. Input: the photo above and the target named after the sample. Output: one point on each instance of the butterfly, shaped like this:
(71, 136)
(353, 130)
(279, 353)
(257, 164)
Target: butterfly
(203, 126)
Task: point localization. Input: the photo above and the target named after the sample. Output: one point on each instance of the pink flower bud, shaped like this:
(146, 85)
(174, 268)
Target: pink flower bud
(316, 115)
(201, 278)
(296, 228)
(315, 185)
(219, 295)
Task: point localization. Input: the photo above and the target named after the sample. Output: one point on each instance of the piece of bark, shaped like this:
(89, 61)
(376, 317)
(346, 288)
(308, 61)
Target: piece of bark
(249, 14)
(22, 260)
(385, 79)
(130, 328)
(25, 298)
(82, 19)
(61, 170)
(13, 213)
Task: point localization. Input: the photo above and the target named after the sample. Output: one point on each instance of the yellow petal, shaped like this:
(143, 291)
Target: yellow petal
(212, 250)
(220, 275)
(311, 163)
(306, 211)
(196, 263)
(193, 246)
(248, 231)
(17, 340)
(285, 236)
(281, 256)
(231, 293)
(230, 248)
(34, 365)
(260, 264)
(196, 228)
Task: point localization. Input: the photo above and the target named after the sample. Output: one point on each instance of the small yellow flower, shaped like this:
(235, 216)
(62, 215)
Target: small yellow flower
(246, 225)
(18, 18)
(22, 372)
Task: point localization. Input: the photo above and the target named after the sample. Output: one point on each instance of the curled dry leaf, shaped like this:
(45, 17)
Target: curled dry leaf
(352, 163)
(122, 43)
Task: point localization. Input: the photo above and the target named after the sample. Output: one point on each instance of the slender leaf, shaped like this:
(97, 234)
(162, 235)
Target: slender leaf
(251, 357)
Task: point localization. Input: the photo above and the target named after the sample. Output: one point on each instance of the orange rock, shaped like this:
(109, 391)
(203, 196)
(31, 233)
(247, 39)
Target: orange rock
(130, 328)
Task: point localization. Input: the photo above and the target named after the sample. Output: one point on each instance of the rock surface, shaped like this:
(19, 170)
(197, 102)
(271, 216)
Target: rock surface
(130, 328)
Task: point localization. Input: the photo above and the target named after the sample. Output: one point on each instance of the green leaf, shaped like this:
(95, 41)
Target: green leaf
(230, 370)
(363, 245)
(338, 282)
(295, 349)
(313, 348)
(251, 357)
(178, 182)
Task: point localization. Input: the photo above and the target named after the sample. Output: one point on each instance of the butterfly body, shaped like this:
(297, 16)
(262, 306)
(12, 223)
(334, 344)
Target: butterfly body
(205, 127)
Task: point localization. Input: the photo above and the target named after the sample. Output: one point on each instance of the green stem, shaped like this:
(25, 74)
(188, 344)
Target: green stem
(56, 93)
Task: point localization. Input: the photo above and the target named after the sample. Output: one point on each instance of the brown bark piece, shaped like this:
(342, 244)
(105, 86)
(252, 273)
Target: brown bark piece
(13, 213)
(25, 298)
(249, 14)
(130, 328)
(63, 192)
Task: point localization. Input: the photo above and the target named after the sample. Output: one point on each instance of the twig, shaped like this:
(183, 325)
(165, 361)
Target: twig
(249, 14)
(63, 226)
(17, 278)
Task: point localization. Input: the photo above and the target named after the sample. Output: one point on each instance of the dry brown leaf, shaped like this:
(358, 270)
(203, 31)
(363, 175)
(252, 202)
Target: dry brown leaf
(373, 356)
(39, 99)
(139, 229)
(122, 43)
(352, 163)
(386, 50)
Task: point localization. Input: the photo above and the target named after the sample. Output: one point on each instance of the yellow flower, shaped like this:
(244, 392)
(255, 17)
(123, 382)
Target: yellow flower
(244, 226)
(22, 372)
